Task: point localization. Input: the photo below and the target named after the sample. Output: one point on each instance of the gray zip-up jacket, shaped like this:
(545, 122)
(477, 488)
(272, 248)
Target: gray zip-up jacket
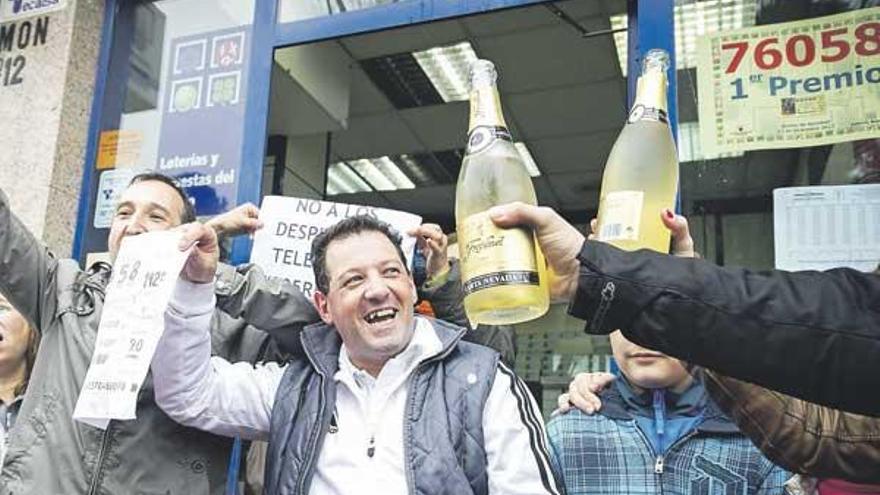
(48, 452)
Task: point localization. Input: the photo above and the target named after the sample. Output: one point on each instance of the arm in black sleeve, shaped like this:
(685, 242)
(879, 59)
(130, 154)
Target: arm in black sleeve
(812, 335)
(269, 304)
(27, 270)
(447, 297)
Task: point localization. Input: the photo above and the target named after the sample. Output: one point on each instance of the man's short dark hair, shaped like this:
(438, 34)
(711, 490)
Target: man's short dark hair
(346, 228)
(189, 213)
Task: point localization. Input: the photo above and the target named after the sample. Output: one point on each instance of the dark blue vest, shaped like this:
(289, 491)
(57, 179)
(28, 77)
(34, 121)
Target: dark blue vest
(443, 420)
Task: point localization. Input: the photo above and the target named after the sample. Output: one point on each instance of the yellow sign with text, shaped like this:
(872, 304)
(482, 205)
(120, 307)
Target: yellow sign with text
(119, 148)
(790, 85)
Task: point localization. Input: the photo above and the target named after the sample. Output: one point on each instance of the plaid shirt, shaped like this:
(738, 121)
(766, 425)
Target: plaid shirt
(607, 454)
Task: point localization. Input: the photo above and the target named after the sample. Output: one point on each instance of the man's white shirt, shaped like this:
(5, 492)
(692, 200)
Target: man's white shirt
(363, 451)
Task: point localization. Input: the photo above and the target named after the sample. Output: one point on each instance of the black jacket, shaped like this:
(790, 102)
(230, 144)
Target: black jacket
(812, 335)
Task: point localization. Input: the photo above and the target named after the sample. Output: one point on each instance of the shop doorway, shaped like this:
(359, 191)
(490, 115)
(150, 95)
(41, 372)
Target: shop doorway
(380, 119)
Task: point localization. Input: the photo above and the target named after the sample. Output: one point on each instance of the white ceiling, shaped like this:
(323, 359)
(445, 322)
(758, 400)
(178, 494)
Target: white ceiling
(563, 95)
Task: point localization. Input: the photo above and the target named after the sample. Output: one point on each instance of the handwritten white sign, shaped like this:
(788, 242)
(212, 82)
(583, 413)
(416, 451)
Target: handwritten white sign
(283, 246)
(133, 319)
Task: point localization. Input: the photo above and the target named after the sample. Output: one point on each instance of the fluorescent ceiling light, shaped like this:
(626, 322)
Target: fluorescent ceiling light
(415, 169)
(619, 22)
(692, 20)
(689, 149)
(332, 189)
(448, 68)
(527, 159)
(393, 173)
(381, 173)
(343, 180)
(371, 174)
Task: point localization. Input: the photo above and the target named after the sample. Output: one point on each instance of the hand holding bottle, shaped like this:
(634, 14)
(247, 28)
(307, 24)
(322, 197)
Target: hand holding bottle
(682, 242)
(559, 241)
(583, 391)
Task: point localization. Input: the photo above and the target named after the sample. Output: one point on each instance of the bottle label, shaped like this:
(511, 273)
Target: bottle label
(621, 216)
(492, 257)
(641, 112)
(483, 136)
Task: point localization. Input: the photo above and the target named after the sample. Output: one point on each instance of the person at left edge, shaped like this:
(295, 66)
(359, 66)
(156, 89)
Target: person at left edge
(18, 348)
(382, 401)
(48, 452)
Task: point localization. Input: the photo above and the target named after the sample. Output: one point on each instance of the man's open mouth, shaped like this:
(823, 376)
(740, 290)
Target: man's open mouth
(380, 315)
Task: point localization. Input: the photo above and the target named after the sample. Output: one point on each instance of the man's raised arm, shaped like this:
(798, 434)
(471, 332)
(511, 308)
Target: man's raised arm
(193, 388)
(812, 335)
(268, 304)
(27, 269)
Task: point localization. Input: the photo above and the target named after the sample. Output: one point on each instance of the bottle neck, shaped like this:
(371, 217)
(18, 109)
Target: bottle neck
(650, 102)
(485, 108)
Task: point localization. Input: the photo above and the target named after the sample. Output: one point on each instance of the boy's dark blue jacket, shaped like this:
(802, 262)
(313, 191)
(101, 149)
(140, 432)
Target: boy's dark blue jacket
(657, 442)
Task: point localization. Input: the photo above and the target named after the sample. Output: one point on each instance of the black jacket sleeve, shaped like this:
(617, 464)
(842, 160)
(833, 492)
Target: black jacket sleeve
(812, 335)
(269, 304)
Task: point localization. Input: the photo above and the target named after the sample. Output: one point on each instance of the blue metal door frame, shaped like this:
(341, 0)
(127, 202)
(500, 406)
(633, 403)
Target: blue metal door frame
(651, 25)
(86, 194)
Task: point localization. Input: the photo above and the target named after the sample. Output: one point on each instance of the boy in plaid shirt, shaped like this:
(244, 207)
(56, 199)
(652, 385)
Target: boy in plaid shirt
(657, 432)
